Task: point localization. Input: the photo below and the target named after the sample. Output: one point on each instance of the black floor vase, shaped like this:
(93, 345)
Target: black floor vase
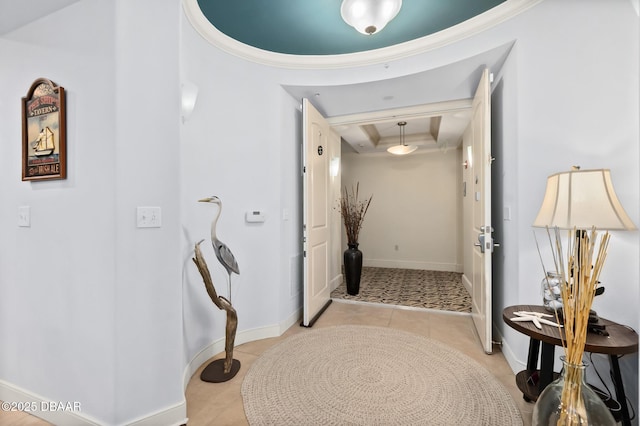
(353, 268)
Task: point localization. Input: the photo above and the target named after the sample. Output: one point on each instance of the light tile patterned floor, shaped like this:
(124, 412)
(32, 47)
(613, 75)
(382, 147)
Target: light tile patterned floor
(221, 403)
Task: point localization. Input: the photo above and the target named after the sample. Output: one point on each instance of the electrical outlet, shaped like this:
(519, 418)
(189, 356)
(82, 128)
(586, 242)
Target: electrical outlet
(149, 217)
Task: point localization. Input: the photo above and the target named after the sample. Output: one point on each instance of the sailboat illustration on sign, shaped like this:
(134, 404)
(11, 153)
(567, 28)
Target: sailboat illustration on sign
(44, 145)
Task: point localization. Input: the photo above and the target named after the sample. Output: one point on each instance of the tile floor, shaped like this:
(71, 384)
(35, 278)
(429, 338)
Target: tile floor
(20, 419)
(221, 403)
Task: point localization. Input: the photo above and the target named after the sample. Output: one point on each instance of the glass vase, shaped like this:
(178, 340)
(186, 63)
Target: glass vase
(552, 295)
(570, 401)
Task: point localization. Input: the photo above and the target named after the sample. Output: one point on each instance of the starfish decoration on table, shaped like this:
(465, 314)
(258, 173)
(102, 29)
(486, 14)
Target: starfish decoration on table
(535, 317)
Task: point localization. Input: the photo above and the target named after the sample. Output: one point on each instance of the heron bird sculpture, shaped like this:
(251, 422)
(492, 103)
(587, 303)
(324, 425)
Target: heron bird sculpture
(223, 253)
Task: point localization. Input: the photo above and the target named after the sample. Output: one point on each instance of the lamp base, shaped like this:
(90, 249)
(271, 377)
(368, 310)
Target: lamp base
(594, 324)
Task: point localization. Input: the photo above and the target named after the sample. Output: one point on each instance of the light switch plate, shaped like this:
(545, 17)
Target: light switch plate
(24, 216)
(507, 213)
(149, 217)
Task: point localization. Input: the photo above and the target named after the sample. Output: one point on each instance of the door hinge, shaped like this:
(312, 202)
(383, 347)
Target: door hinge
(304, 253)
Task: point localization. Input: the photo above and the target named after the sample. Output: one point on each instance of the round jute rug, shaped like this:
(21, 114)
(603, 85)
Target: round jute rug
(363, 375)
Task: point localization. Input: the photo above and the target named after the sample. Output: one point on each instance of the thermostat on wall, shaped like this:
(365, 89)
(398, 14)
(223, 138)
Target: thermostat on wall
(254, 216)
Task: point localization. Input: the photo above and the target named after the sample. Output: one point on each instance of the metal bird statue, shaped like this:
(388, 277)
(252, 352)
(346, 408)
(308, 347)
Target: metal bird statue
(223, 253)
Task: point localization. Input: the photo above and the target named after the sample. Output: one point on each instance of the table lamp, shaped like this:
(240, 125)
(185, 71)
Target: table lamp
(582, 199)
(578, 200)
(581, 202)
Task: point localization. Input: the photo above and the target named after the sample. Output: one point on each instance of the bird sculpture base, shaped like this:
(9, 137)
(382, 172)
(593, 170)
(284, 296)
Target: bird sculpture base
(214, 372)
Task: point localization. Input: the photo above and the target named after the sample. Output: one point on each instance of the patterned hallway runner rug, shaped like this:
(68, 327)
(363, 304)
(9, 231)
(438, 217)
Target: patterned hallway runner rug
(410, 287)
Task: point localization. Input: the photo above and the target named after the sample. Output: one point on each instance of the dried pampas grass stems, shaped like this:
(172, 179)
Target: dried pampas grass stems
(579, 271)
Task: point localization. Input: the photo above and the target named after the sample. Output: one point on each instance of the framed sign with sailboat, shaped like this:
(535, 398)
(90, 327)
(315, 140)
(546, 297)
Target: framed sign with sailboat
(44, 144)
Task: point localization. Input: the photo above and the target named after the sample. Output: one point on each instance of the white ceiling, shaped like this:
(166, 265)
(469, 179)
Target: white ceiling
(434, 103)
(16, 13)
(429, 127)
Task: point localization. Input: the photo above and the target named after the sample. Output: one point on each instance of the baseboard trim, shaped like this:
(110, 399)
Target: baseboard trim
(466, 283)
(244, 336)
(407, 264)
(508, 353)
(172, 416)
(335, 282)
(12, 393)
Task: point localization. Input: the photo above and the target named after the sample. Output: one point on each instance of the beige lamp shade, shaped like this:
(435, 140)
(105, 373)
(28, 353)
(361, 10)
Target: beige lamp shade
(582, 199)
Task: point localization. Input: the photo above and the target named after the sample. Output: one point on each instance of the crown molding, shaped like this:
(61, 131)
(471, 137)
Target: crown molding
(402, 113)
(468, 28)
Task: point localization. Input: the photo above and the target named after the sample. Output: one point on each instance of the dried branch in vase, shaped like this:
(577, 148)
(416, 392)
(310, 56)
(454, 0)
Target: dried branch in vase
(579, 269)
(353, 212)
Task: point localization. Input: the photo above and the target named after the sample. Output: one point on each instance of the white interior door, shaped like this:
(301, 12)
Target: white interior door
(317, 136)
(481, 211)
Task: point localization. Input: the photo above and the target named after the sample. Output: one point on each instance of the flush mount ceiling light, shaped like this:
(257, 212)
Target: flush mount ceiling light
(369, 16)
(403, 148)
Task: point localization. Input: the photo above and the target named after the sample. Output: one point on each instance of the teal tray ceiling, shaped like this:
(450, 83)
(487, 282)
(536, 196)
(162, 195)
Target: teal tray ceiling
(315, 27)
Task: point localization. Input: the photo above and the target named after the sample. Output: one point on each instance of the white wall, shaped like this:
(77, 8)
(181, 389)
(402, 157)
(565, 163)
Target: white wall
(90, 308)
(241, 143)
(565, 114)
(116, 316)
(148, 310)
(573, 100)
(414, 217)
(57, 276)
